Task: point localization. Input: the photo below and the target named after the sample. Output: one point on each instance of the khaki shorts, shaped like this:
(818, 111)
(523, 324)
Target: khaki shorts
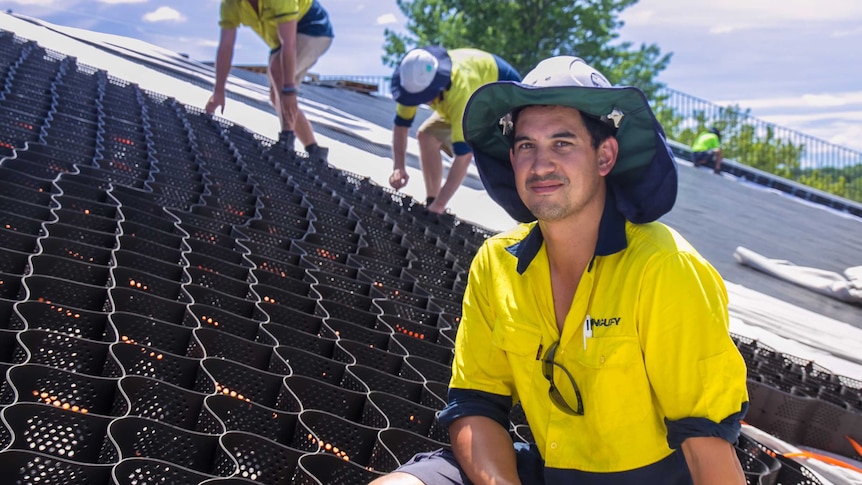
(440, 129)
(308, 51)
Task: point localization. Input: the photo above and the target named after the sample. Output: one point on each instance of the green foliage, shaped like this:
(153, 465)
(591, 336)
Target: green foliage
(820, 181)
(526, 31)
(845, 182)
(523, 32)
(854, 183)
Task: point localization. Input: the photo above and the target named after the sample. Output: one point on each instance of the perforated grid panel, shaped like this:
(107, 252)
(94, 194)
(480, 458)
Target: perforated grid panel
(184, 303)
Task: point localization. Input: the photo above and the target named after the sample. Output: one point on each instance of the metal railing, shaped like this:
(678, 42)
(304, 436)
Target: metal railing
(825, 167)
(765, 146)
(382, 82)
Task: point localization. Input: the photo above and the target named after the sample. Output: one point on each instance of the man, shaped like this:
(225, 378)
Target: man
(444, 80)
(706, 149)
(298, 32)
(608, 328)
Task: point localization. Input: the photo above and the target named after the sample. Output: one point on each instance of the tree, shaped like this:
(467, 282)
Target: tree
(526, 31)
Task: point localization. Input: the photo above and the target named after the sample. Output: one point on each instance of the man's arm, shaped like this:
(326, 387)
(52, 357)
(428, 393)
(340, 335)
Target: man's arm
(456, 175)
(399, 177)
(224, 58)
(712, 461)
(484, 450)
(289, 106)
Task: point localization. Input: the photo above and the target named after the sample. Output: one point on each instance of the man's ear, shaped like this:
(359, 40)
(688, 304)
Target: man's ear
(608, 151)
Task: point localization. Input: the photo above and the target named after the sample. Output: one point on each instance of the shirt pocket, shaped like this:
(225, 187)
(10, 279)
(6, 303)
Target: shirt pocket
(517, 340)
(522, 345)
(614, 385)
(610, 352)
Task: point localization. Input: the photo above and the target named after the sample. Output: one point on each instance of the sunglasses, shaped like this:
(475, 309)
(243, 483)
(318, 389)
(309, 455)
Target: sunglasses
(557, 398)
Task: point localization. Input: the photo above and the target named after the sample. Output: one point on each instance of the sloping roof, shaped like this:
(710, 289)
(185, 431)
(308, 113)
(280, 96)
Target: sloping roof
(181, 301)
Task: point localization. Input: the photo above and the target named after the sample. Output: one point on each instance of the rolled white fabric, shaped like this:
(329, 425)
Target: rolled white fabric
(845, 287)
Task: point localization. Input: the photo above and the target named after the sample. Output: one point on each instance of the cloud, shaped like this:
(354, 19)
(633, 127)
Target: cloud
(44, 3)
(730, 15)
(831, 100)
(847, 33)
(809, 120)
(386, 19)
(164, 14)
(726, 29)
(842, 129)
(848, 135)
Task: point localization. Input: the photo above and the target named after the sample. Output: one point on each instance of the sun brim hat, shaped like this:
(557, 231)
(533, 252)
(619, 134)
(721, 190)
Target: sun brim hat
(421, 75)
(644, 179)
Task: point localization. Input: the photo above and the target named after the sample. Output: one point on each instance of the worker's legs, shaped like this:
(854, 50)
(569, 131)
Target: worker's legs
(276, 80)
(434, 135)
(308, 51)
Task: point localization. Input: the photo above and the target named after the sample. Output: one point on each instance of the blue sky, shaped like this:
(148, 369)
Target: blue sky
(793, 62)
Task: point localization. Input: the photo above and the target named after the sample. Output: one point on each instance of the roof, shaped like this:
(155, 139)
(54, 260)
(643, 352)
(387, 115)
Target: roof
(180, 301)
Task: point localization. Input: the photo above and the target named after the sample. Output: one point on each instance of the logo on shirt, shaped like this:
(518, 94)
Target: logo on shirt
(605, 322)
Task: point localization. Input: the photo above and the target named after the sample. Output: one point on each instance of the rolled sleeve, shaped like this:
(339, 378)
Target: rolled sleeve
(728, 429)
(405, 122)
(229, 15)
(461, 148)
(464, 402)
(404, 114)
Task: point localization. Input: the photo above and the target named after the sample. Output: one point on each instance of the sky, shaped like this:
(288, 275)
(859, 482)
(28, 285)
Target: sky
(794, 63)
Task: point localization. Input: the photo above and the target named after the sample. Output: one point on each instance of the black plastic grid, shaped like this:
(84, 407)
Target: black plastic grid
(24, 467)
(119, 156)
(308, 364)
(137, 437)
(71, 391)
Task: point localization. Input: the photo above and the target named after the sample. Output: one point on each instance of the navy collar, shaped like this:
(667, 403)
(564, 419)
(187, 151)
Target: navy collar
(612, 236)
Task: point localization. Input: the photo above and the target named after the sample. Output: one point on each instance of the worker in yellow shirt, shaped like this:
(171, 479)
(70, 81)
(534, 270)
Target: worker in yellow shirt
(444, 80)
(297, 32)
(706, 150)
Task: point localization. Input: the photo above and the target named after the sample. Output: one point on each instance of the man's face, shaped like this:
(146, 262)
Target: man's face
(557, 170)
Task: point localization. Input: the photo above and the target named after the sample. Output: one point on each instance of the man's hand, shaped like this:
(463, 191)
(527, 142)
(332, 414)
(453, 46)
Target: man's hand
(399, 178)
(215, 101)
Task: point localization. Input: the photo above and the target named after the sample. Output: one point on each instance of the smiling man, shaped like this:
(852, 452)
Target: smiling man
(606, 326)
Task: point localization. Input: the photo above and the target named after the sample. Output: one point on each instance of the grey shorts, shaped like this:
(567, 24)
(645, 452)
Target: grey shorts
(440, 467)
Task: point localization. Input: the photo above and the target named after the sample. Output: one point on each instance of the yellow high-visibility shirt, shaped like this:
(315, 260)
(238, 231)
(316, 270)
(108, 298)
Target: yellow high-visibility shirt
(264, 22)
(658, 349)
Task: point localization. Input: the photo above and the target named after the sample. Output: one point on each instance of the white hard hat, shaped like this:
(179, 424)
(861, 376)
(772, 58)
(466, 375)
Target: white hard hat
(565, 71)
(418, 69)
(421, 75)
